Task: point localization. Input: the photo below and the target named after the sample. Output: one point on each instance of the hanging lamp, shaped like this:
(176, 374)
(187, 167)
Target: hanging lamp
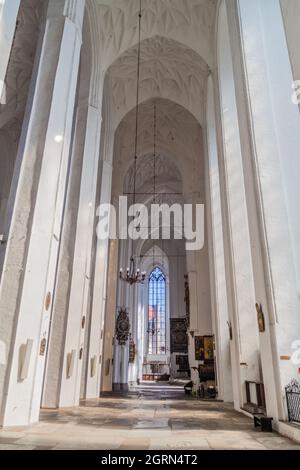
(133, 275)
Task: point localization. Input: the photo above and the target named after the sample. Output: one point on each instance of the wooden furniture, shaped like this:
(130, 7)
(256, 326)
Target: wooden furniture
(255, 394)
(264, 422)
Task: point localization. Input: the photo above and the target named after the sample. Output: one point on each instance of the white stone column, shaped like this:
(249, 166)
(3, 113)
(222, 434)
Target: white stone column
(100, 276)
(133, 367)
(220, 312)
(275, 122)
(33, 243)
(8, 17)
(116, 368)
(80, 284)
(129, 370)
(195, 315)
(200, 302)
(141, 338)
(99, 293)
(124, 366)
(60, 304)
(124, 299)
(237, 242)
(109, 359)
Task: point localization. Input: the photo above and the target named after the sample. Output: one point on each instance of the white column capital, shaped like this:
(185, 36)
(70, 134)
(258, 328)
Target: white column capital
(73, 10)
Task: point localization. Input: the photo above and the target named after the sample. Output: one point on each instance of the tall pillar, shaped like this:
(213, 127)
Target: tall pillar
(124, 299)
(109, 359)
(142, 326)
(8, 18)
(275, 144)
(81, 271)
(199, 288)
(219, 297)
(32, 248)
(100, 269)
(70, 317)
(237, 242)
(96, 338)
(192, 278)
(133, 366)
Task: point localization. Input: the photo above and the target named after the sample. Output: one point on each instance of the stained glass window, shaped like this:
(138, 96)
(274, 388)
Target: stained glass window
(157, 312)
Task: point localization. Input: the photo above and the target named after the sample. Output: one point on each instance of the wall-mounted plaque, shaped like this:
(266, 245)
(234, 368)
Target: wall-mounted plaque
(178, 335)
(70, 363)
(48, 301)
(43, 347)
(93, 366)
(260, 318)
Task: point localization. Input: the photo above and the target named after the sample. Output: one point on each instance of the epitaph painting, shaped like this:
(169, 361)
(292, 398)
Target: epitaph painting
(199, 348)
(204, 348)
(179, 339)
(122, 327)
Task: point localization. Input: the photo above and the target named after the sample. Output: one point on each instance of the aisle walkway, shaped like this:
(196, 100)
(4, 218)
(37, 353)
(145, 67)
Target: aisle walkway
(149, 417)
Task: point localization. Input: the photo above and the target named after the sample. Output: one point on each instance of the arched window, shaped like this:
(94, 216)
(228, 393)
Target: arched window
(157, 312)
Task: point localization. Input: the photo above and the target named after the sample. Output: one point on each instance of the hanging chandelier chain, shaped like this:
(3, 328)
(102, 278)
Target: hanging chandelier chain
(132, 275)
(137, 101)
(137, 112)
(154, 154)
(154, 166)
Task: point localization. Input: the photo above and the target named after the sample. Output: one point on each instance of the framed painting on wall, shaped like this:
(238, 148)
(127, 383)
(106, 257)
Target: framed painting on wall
(199, 348)
(204, 348)
(208, 348)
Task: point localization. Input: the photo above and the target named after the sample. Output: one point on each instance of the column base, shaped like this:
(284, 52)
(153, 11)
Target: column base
(117, 387)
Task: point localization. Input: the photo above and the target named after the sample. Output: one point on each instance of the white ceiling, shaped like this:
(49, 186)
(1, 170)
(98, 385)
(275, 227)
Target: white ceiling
(179, 138)
(187, 21)
(176, 51)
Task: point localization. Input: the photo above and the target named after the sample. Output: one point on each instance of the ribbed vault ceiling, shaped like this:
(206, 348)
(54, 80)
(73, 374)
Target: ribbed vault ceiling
(179, 138)
(187, 21)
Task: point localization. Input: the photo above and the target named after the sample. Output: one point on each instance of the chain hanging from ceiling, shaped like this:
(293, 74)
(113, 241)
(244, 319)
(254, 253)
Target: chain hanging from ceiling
(133, 275)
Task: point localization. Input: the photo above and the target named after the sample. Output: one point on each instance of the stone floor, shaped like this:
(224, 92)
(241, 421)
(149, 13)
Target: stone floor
(149, 417)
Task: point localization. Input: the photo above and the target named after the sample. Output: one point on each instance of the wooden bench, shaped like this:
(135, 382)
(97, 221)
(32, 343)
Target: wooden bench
(264, 422)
